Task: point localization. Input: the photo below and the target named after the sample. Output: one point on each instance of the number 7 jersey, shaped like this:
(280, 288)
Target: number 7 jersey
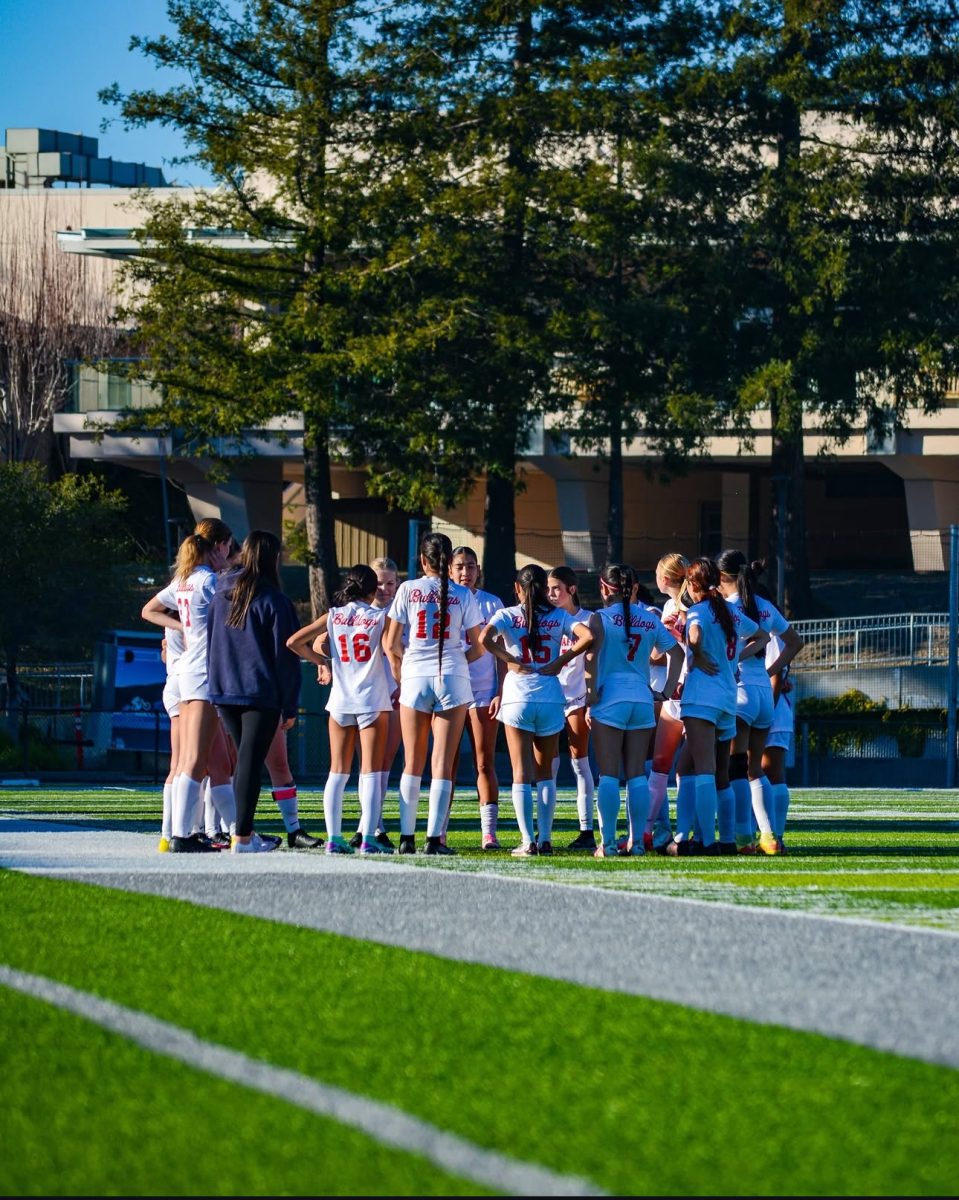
(356, 656)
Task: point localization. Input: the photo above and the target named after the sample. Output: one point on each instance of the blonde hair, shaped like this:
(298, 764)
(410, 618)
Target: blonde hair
(196, 546)
(384, 564)
(673, 566)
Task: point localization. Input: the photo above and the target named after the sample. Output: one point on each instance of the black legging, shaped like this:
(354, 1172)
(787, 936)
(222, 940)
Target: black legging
(252, 730)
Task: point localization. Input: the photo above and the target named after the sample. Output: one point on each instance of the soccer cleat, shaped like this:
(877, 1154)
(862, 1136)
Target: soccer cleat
(194, 844)
(356, 840)
(687, 848)
(727, 848)
(383, 839)
(768, 844)
(622, 844)
(636, 849)
(544, 848)
(712, 849)
(256, 845)
(648, 840)
(299, 839)
(607, 851)
(662, 840)
(339, 845)
(745, 845)
(490, 842)
(373, 848)
(782, 847)
(524, 850)
(164, 846)
(220, 840)
(407, 843)
(585, 840)
(438, 846)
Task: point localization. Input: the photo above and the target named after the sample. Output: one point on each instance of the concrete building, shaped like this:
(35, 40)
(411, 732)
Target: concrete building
(869, 505)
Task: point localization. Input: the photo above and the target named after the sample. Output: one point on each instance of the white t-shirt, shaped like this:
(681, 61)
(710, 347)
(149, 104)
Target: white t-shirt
(717, 691)
(552, 626)
(356, 657)
(191, 598)
(483, 669)
(622, 672)
(771, 620)
(572, 677)
(417, 606)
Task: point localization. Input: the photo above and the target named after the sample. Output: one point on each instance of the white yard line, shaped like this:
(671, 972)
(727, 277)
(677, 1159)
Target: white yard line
(382, 1122)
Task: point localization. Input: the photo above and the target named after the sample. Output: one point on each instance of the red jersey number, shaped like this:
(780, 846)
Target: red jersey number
(541, 656)
(361, 648)
(434, 634)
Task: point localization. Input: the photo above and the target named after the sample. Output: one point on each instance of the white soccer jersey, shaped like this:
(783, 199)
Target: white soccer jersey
(572, 677)
(191, 598)
(175, 646)
(773, 622)
(717, 691)
(483, 669)
(622, 672)
(783, 717)
(417, 606)
(356, 636)
(552, 626)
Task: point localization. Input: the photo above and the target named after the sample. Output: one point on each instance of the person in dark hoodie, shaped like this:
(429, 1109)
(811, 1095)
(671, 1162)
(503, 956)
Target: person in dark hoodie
(254, 679)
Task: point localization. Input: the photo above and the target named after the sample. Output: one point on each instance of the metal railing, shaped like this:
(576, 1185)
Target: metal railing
(900, 640)
(53, 685)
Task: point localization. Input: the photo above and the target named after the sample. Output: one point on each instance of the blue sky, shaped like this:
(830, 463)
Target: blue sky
(55, 55)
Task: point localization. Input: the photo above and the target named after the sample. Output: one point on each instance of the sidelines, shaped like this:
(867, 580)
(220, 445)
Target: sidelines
(382, 1122)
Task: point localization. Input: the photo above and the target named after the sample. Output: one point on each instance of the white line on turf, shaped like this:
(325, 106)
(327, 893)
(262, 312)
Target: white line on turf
(382, 1122)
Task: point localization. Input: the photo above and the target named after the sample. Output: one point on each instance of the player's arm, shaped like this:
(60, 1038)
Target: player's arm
(592, 659)
(792, 644)
(301, 642)
(584, 639)
(675, 656)
(393, 645)
(158, 614)
(475, 650)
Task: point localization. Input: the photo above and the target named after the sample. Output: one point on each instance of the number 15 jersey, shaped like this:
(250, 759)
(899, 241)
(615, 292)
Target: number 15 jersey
(359, 684)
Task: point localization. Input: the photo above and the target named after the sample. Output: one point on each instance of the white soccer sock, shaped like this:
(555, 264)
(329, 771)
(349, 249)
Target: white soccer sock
(744, 827)
(607, 802)
(223, 799)
(706, 804)
(545, 809)
(368, 786)
(440, 791)
(333, 803)
(768, 801)
(289, 806)
(637, 807)
(446, 815)
(166, 824)
(759, 806)
(658, 786)
(781, 808)
(585, 793)
(186, 796)
(384, 787)
(726, 814)
(488, 817)
(409, 803)
(523, 807)
(209, 825)
(685, 806)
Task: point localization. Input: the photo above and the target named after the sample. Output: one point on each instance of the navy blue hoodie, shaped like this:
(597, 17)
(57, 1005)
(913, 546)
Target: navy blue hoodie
(251, 667)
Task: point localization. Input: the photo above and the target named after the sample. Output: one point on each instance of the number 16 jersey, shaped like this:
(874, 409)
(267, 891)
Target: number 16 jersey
(359, 684)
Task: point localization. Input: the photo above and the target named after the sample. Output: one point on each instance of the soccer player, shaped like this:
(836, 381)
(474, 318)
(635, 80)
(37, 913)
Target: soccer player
(527, 637)
(621, 702)
(779, 744)
(439, 619)
(563, 590)
(671, 581)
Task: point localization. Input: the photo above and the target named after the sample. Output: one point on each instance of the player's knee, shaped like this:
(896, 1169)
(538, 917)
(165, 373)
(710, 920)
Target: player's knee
(739, 766)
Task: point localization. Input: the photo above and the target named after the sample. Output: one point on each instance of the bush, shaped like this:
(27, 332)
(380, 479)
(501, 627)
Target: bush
(42, 754)
(852, 719)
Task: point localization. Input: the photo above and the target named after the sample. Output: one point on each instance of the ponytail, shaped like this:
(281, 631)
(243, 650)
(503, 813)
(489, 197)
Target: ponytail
(532, 580)
(437, 549)
(358, 583)
(703, 573)
(734, 565)
(196, 547)
(620, 578)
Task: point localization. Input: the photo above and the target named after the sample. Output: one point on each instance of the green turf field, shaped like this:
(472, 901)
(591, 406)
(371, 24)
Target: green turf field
(636, 1095)
(882, 855)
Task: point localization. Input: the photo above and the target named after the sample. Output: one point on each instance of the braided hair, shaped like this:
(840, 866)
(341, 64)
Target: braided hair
(437, 550)
(358, 582)
(532, 580)
(620, 579)
(703, 574)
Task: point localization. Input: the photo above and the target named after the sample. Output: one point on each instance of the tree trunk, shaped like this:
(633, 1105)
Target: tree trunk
(788, 510)
(499, 529)
(614, 519)
(324, 571)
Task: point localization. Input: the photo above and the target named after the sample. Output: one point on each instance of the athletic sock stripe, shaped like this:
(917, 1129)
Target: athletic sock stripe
(382, 1122)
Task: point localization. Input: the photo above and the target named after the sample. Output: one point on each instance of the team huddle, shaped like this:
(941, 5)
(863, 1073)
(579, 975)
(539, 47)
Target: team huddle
(698, 687)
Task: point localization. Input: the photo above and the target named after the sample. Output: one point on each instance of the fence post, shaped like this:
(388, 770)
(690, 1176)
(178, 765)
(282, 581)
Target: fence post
(953, 666)
(78, 736)
(805, 753)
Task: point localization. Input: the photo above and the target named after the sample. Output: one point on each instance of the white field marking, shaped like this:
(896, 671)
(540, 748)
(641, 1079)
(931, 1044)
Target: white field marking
(382, 1122)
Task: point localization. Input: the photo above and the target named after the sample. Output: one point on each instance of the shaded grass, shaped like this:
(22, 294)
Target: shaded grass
(643, 1096)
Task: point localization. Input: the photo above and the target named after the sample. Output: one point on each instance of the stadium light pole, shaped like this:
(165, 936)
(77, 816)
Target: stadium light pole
(953, 664)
